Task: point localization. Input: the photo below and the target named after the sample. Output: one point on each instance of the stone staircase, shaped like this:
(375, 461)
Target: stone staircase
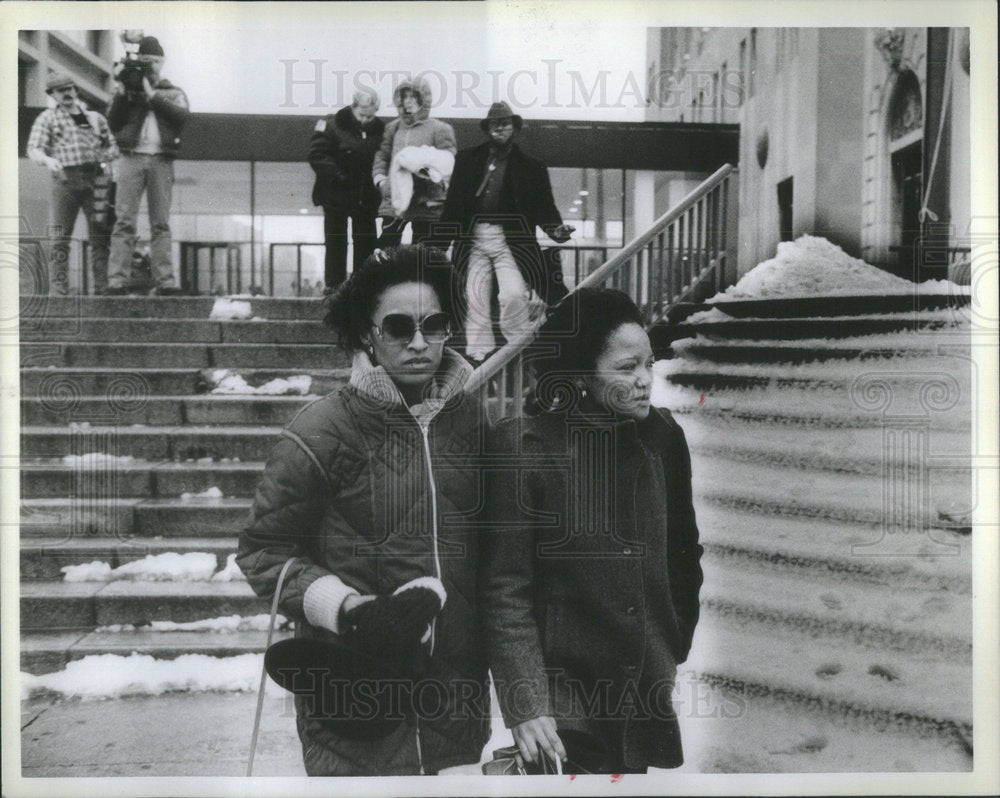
(132, 377)
(831, 445)
(831, 450)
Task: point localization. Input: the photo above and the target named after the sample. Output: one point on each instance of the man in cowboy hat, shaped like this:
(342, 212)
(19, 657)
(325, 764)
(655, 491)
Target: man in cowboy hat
(497, 197)
(77, 147)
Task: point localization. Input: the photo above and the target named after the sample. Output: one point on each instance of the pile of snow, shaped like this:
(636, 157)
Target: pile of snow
(113, 676)
(227, 624)
(95, 571)
(209, 493)
(231, 573)
(195, 566)
(95, 459)
(228, 382)
(812, 265)
(225, 309)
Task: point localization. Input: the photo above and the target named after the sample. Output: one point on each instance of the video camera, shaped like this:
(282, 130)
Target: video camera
(133, 67)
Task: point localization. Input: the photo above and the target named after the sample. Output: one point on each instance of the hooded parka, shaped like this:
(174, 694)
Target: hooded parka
(418, 130)
(374, 493)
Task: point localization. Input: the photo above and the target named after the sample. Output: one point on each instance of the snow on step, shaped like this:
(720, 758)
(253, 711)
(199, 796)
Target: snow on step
(854, 450)
(760, 487)
(914, 620)
(112, 675)
(904, 688)
(831, 550)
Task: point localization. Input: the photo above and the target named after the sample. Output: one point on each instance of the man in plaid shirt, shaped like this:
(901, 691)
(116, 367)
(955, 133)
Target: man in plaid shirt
(77, 147)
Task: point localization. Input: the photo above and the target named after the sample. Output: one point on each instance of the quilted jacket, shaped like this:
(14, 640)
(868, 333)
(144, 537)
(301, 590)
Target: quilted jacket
(363, 488)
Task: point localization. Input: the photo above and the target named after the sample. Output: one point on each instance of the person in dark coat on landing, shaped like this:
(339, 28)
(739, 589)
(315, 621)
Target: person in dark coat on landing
(592, 595)
(373, 489)
(497, 197)
(341, 152)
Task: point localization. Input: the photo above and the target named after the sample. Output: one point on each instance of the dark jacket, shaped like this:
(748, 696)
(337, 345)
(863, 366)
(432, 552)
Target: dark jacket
(526, 203)
(592, 594)
(348, 491)
(341, 152)
(128, 112)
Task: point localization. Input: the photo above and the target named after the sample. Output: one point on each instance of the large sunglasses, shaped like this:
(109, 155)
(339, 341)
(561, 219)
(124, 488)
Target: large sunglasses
(399, 328)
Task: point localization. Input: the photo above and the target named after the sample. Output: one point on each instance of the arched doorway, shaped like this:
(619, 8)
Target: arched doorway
(905, 127)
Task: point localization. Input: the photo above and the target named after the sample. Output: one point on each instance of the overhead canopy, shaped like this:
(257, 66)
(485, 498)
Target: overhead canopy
(659, 146)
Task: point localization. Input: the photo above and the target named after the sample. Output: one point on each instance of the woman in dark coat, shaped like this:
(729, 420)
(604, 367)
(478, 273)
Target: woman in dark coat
(592, 594)
(370, 492)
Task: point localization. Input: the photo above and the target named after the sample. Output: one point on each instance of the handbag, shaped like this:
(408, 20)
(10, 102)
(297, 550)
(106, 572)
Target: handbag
(508, 761)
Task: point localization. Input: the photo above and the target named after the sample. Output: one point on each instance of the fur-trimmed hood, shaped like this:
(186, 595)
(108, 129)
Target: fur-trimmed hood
(422, 90)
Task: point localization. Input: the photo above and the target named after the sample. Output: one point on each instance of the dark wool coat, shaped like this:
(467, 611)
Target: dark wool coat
(126, 115)
(592, 593)
(526, 203)
(350, 490)
(341, 152)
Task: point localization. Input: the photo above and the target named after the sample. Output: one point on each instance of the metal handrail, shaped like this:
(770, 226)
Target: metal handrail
(678, 271)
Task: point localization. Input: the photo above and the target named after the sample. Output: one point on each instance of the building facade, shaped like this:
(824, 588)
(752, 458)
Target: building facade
(860, 135)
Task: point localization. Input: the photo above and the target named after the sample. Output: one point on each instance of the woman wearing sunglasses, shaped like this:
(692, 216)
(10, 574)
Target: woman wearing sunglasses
(592, 594)
(369, 492)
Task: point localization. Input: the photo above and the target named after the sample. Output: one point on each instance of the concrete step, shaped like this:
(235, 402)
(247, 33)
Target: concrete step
(181, 355)
(881, 618)
(45, 652)
(194, 330)
(43, 559)
(69, 606)
(137, 478)
(848, 450)
(805, 328)
(921, 693)
(162, 411)
(907, 503)
(39, 310)
(53, 382)
(831, 550)
(828, 306)
(152, 443)
(760, 353)
(49, 652)
(763, 408)
(120, 520)
(131, 383)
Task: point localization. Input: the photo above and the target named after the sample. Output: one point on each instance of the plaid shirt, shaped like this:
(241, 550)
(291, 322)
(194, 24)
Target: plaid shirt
(58, 136)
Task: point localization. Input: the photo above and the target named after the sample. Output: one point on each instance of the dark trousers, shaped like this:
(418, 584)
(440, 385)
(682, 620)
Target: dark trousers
(392, 231)
(70, 195)
(335, 232)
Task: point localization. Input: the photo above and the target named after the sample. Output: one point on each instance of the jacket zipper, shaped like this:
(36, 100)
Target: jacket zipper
(425, 435)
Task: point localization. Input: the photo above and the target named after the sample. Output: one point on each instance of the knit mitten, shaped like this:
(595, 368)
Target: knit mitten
(392, 626)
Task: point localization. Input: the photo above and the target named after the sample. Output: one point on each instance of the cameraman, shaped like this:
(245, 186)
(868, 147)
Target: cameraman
(146, 116)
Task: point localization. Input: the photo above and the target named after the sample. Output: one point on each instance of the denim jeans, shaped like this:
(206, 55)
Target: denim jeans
(490, 256)
(70, 194)
(153, 174)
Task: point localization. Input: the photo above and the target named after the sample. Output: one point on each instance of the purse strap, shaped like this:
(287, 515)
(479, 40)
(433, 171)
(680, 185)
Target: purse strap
(263, 669)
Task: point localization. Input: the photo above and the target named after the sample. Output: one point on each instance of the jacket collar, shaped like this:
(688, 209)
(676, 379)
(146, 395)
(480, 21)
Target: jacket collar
(374, 383)
(345, 118)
